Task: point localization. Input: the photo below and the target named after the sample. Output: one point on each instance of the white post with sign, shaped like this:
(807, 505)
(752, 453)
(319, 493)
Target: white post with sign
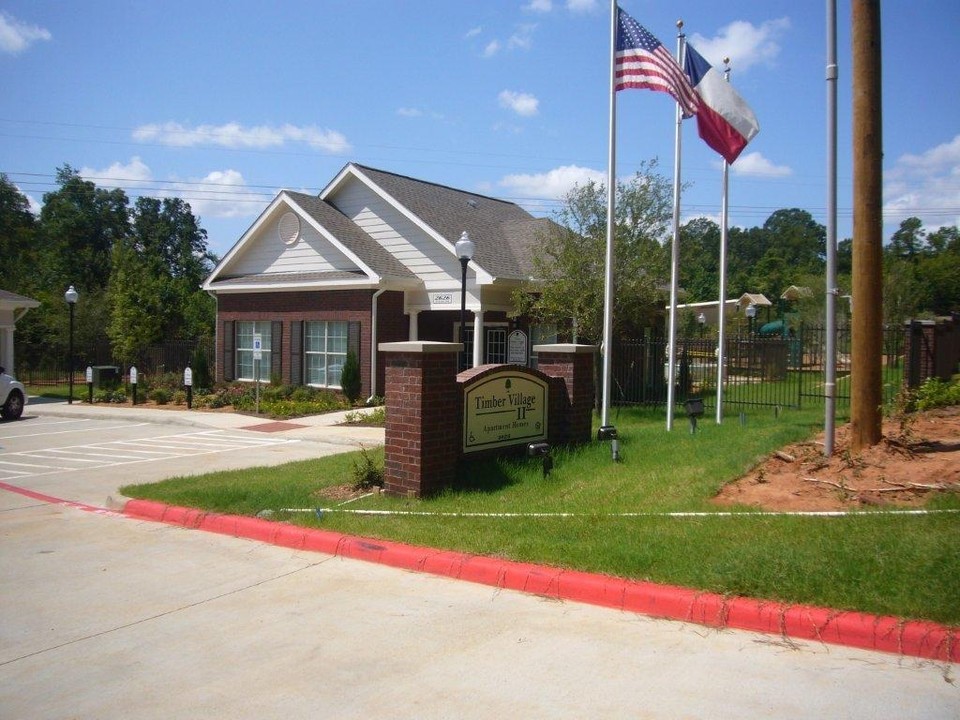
(257, 357)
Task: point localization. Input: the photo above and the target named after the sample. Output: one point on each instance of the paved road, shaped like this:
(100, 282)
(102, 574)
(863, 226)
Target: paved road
(102, 616)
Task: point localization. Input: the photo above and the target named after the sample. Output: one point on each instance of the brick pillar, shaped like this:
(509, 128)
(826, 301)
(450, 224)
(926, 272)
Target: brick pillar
(422, 401)
(573, 364)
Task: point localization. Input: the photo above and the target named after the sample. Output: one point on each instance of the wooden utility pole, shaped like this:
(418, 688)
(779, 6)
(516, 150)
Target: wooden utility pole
(866, 387)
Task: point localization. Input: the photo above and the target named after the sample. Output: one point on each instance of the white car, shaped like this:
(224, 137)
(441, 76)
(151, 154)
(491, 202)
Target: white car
(13, 397)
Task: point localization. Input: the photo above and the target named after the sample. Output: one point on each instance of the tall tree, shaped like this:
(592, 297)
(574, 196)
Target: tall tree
(18, 240)
(570, 267)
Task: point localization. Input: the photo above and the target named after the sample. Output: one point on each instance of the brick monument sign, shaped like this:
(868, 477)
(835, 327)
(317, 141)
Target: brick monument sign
(436, 417)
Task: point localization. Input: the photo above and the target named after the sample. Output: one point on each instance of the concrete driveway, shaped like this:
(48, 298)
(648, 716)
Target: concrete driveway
(102, 616)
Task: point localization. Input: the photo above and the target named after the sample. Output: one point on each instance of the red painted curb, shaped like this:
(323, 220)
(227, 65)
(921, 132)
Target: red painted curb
(806, 622)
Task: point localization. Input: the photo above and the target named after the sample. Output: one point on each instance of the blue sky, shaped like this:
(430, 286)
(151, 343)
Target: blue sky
(225, 103)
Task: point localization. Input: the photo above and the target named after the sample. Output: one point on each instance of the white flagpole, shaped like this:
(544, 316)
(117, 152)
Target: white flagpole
(830, 381)
(721, 307)
(674, 248)
(611, 197)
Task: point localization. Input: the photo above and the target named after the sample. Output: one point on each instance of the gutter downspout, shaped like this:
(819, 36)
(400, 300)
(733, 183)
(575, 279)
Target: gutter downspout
(373, 344)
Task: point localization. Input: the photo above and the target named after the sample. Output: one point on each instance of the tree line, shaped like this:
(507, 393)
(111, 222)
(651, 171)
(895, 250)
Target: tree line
(136, 266)
(920, 268)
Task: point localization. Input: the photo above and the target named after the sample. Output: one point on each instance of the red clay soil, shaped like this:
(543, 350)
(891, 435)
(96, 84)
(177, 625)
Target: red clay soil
(918, 457)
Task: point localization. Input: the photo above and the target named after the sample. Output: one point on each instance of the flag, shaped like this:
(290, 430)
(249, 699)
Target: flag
(724, 120)
(642, 62)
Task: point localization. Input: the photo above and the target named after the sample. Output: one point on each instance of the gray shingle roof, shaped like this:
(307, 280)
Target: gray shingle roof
(12, 297)
(350, 234)
(502, 231)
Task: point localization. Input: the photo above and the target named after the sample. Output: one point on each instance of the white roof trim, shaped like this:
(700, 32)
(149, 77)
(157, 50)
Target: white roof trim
(367, 270)
(483, 277)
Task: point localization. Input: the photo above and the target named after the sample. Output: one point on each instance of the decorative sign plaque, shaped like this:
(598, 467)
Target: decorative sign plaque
(441, 298)
(517, 348)
(505, 408)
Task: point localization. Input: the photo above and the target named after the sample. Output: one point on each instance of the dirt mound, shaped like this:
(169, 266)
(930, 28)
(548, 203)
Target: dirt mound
(918, 456)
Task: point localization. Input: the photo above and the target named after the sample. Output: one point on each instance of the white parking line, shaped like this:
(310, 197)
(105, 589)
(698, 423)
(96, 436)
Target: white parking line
(33, 463)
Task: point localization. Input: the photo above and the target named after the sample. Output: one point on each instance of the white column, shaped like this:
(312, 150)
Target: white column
(6, 349)
(478, 338)
(414, 314)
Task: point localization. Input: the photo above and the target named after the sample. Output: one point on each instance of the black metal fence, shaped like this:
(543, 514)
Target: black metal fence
(788, 371)
(49, 364)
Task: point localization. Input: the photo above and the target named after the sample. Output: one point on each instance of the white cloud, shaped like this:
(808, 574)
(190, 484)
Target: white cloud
(473, 32)
(742, 42)
(553, 184)
(234, 135)
(492, 48)
(540, 6)
(579, 6)
(409, 112)
(926, 186)
(522, 39)
(119, 175)
(32, 204)
(16, 36)
(221, 193)
(522, 104)
(756, 165)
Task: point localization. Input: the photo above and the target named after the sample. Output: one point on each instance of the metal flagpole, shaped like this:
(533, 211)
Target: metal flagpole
(674, 248)
(830, 381)
(608, 267)
(721, 308)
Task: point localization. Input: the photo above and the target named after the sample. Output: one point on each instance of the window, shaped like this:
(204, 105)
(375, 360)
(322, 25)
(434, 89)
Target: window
(246, 367)
(325, 352)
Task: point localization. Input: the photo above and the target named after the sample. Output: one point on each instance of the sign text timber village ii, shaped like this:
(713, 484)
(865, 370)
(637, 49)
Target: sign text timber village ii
(506, 408)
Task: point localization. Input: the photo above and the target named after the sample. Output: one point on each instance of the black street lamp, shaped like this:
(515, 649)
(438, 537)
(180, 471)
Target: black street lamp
(464, 248)
(71, 296)
(751, 314)
(702, 320)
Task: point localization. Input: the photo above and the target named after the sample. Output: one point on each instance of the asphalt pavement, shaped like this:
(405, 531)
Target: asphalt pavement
(104, 616)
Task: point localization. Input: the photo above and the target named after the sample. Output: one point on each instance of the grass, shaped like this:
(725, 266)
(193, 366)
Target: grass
(907, 566)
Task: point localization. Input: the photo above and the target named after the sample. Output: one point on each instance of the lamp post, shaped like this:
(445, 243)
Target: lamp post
(71, 296)
(464, 248)
(702, 320)
(751, 314)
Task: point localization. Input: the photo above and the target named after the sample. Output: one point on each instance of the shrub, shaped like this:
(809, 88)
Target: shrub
(160, 395)
(936, 393)
(367, 473)
(350, 381)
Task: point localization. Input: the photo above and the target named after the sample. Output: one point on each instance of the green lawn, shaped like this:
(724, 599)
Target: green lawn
(908, 566)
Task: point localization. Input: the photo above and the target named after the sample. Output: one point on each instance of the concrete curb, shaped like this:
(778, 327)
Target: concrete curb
(803, 622)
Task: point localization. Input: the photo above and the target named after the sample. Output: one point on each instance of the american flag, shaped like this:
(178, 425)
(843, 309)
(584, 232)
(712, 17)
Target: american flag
(643, 62)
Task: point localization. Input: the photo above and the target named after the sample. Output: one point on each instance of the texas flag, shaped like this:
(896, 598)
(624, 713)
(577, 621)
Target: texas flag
(724, 120)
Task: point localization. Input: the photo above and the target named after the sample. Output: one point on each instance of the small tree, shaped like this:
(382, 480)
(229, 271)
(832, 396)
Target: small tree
(350, 377)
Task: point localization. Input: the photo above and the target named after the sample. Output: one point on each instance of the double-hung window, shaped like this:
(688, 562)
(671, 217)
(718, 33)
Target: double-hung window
(246, 366)
(325, 352)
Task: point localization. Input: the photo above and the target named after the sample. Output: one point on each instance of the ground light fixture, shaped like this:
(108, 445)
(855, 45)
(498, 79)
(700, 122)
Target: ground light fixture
(71, 296)
(541, 450)
(609, 432)
(464, 249)
(694, 408)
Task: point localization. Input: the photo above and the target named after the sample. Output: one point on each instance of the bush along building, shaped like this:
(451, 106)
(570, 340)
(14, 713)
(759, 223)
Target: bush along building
(369, 260)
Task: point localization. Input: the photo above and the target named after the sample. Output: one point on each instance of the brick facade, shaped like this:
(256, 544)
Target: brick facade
(291, 309)
(421, 438)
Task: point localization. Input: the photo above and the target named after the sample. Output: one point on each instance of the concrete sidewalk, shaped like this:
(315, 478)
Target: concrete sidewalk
(325, 428)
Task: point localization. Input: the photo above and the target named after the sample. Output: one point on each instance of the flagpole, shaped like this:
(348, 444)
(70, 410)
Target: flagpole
(674, 248)
(606, 430)
(721, 307)
(830, 381)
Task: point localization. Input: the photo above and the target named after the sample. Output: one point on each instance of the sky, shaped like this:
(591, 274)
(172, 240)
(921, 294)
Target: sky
(226, 103)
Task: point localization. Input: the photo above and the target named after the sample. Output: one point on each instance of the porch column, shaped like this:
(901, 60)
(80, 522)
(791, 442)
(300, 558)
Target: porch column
(414, 330)
(478, 338)
(6, 349)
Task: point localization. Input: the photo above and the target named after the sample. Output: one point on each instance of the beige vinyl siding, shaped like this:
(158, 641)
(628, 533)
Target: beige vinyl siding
(401, 237)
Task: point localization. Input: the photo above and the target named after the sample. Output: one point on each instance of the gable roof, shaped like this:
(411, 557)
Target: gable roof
(11, 299)
(349, 234)
(503, 233)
